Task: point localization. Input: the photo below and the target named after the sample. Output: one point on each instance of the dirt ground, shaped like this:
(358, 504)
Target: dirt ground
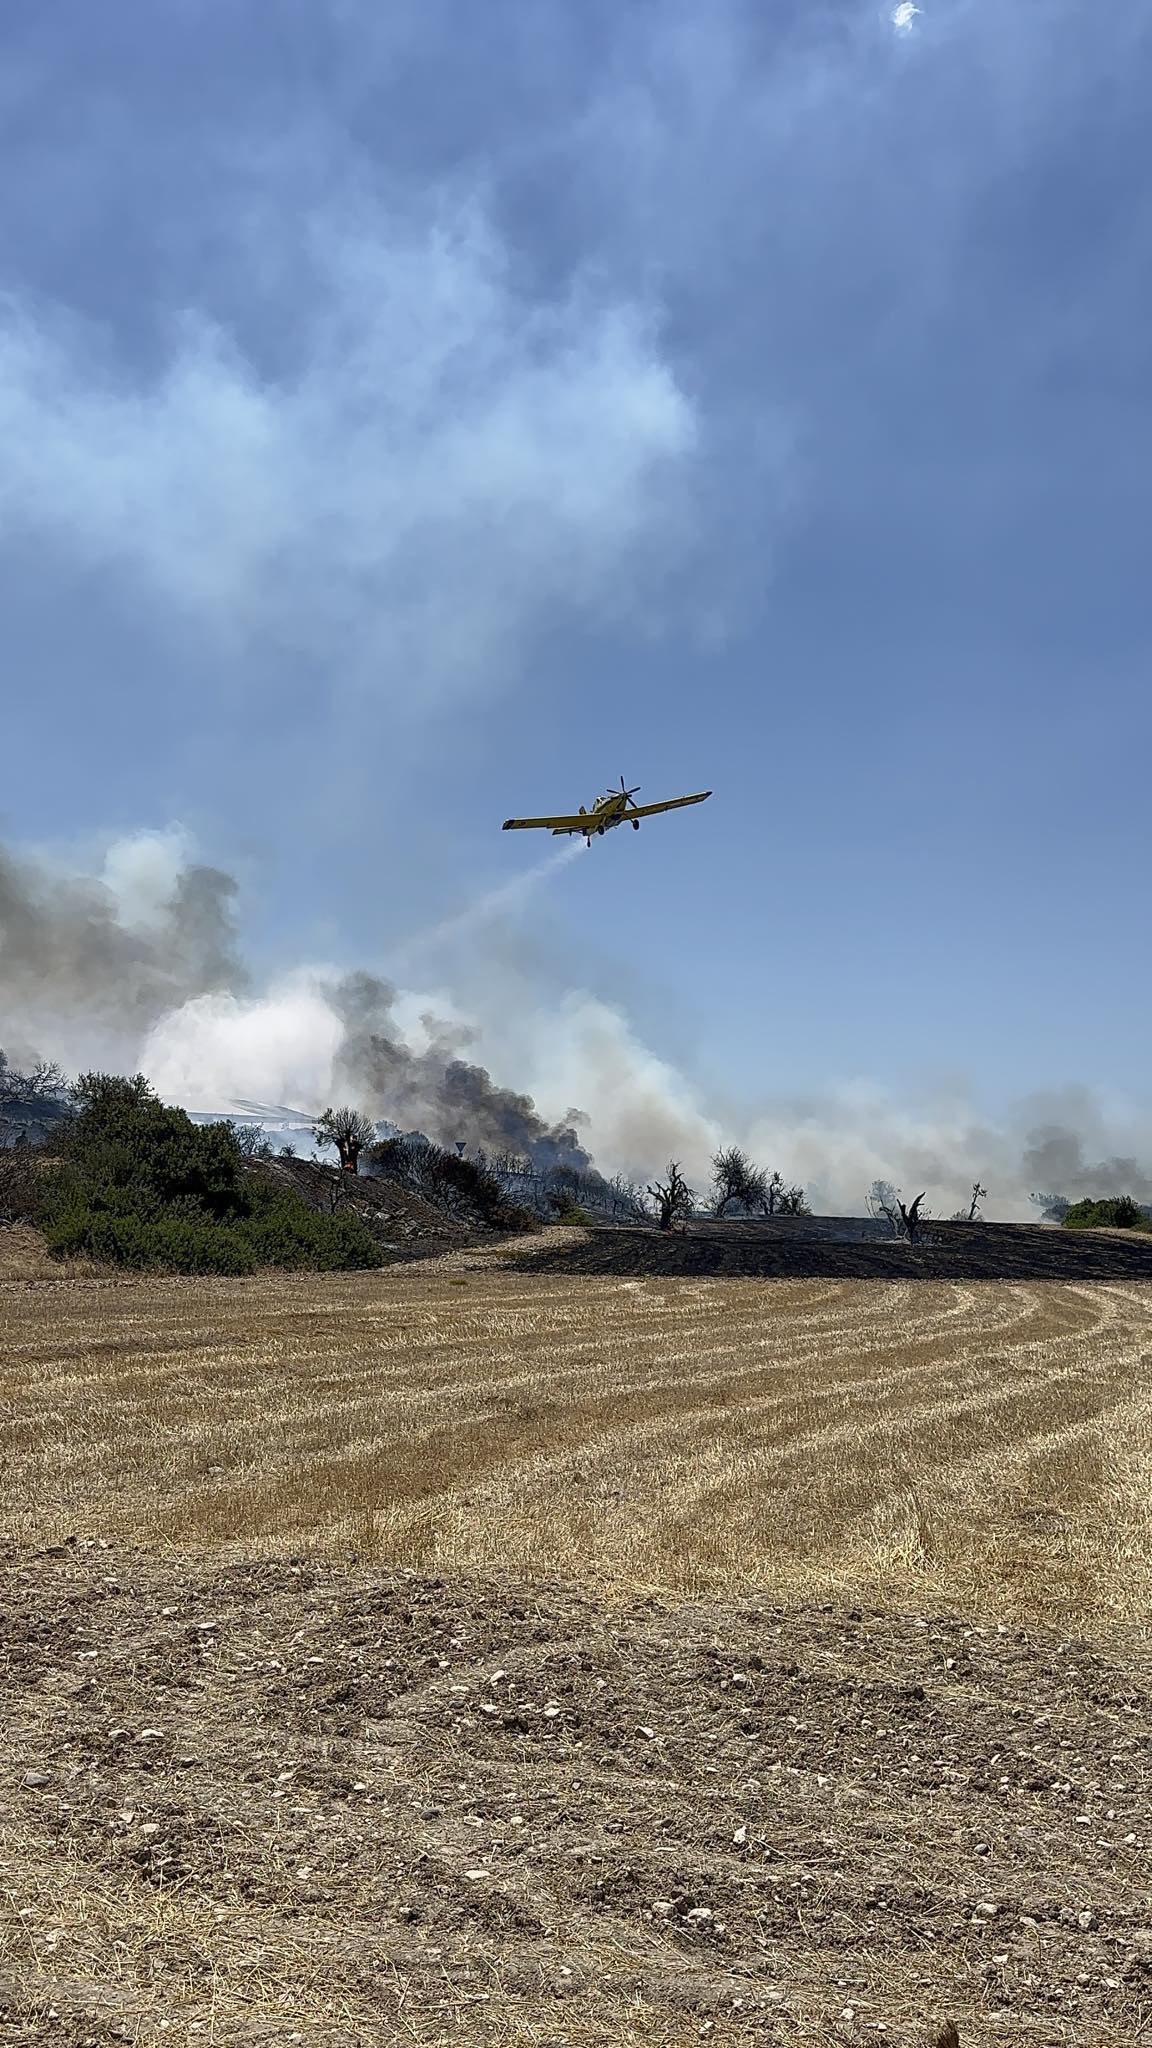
(482, 1652)
(270, 1801)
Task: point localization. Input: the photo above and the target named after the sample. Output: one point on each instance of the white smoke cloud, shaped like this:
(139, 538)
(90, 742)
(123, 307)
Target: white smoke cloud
(141, 873)
(442, 459)
(138, 969)
(642, 1111)
(217, 1049)
(285, 1046)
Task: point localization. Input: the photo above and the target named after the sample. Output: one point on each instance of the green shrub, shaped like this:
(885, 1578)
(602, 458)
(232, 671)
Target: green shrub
(1114, 1212)
(166, 1244)
(286, 1233)
(137, 1184)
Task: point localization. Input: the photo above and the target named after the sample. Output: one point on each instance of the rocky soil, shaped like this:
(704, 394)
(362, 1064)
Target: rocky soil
(268, 1802)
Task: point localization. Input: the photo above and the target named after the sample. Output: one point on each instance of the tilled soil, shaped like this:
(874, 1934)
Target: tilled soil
(263, 1802)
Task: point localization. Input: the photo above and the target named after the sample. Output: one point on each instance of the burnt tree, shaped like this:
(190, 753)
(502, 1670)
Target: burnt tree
(674, 1196)
(349, 1131)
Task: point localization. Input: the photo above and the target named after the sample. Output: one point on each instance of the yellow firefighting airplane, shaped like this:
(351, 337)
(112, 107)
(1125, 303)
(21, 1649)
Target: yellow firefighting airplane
(615, 808)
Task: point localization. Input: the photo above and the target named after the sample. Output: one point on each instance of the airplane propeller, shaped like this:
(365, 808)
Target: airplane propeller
(629, 792)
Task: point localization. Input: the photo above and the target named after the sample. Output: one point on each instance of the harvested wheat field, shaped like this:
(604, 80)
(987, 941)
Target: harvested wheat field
(504, 1650)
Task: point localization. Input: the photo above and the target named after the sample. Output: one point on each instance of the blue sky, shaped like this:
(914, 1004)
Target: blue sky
(412, 416)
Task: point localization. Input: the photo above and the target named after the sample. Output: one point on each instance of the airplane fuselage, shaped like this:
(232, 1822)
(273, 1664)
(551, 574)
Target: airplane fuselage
(607, 811)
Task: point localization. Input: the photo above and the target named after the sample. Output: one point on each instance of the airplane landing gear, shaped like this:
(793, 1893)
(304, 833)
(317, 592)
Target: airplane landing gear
(635, 824)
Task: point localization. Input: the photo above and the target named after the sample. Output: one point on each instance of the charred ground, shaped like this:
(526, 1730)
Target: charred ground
(829, 1248)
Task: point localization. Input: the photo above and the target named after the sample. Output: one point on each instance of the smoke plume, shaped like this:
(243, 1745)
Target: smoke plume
(434, 1090)
(138, 967)
(88, 963)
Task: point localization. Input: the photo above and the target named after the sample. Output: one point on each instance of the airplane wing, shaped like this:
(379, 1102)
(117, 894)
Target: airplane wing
(550, 824)
(673, 803)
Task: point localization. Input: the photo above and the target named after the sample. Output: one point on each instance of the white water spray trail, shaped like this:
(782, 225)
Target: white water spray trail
(509, 896)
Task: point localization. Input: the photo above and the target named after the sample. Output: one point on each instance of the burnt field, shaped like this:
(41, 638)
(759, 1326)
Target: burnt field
(502, 1649)
(817, 1248)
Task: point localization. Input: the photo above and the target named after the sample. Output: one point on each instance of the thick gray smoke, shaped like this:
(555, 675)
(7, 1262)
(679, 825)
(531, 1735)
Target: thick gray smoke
(89, 964)
(435, 1090)
(138, 968)
(1056, 1163)
(104, 970)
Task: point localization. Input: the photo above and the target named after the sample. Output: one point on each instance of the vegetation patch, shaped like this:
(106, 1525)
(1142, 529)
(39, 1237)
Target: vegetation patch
(1116, 1212)
(462, 1187)
(134, 1183)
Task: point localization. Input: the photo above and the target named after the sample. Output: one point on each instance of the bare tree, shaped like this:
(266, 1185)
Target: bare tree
(971, 1213)
(884, 1200)
(910, 1218)
(627, 1198)
(17, 1182)
(563, 1188)
(674, 1196)
(349, 1131)
(44, 1082)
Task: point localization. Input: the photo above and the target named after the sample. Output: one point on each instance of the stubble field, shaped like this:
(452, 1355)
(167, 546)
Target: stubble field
(553, 1656)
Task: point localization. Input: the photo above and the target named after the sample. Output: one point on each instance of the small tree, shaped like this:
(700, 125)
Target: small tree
(627, 1198)
(735, 1179)
(910, 1218)
(884, 1200)
(349, 1131)
(971, 1213)
(251, 1142)
(107, 1096)
(674, 1197)
(793, 1202)
(17, 1182)
(45, 1082)
(1115, 1212)
(562, 1189)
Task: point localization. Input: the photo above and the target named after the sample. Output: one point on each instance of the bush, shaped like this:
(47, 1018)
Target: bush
(137, 1184)
(449, 1181)
(172, 1245)
(1115, 1212)
(284, 1232)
